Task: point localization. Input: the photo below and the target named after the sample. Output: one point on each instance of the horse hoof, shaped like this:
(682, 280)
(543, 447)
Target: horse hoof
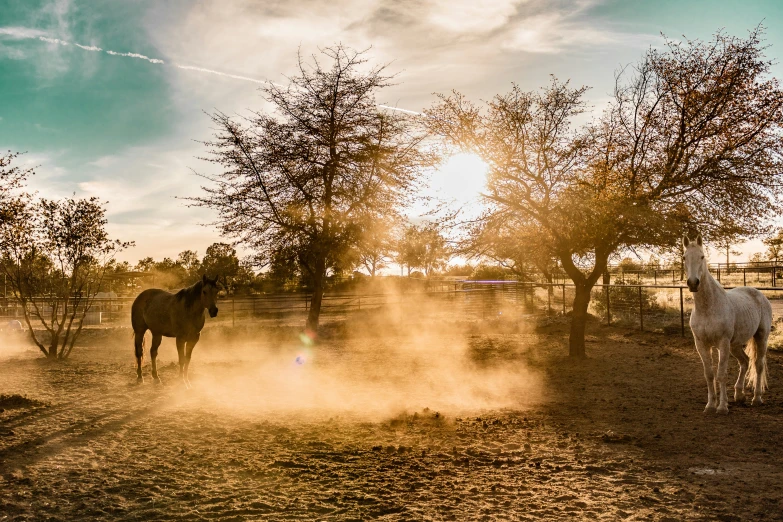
(157, 380)
(756, 401)
(709, 409)
(739, 399)
(724, 410)
(140, 380)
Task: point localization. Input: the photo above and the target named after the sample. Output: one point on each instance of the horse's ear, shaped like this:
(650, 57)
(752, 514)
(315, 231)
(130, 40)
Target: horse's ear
(203, 279)
(685, 241)
(698, 240)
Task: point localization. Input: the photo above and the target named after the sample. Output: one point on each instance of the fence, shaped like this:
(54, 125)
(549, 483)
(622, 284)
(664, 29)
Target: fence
(739, 274)
(662, 308)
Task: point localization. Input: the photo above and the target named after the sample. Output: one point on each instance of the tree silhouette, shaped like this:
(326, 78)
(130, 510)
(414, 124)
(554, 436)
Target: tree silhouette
(302, 183)
(691, 138)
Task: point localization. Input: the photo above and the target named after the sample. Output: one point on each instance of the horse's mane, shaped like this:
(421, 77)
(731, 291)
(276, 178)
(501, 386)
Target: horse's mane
(190, 294)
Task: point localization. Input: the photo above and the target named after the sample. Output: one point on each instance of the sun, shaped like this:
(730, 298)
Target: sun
(460, 179)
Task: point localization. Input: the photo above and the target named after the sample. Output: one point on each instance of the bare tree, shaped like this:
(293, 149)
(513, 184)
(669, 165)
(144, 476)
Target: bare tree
(55, 255)
(300, 183)
(691, 138)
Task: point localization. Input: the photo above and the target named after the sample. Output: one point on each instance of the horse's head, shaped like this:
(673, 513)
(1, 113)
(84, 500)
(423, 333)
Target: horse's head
(695, 264)
(209, 293)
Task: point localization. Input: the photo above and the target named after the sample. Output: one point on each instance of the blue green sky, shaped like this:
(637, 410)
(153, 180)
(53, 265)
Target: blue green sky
(126, 128)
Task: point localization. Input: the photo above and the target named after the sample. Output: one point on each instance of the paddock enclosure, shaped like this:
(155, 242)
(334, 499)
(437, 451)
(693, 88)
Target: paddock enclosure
(634, 302)
(390, 417)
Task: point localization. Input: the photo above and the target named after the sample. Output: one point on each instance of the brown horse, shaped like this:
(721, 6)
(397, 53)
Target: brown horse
(179, 315)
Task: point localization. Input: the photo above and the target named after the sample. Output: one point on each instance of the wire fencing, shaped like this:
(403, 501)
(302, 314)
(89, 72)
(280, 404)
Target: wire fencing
(660, 308)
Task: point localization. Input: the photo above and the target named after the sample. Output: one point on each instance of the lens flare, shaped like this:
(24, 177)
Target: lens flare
(307, 337)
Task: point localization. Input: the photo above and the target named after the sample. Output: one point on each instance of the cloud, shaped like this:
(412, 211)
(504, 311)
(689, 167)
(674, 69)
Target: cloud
(469, 16)
(564, 29)
(140, 185)
(437, 45)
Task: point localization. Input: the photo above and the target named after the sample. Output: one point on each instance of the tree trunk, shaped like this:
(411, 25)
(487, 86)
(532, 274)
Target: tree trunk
(314, 315)
(576, 340)
(52, 353)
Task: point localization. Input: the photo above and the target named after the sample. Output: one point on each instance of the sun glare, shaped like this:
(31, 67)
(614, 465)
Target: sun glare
(460, 179)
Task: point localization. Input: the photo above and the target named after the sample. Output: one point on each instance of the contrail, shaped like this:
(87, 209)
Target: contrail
(53, 40)
(135, 55)
(88, 47)
(236, 77)
(26, 33)
(406, 111)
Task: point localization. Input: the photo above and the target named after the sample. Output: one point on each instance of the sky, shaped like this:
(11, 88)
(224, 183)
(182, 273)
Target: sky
(111, 98)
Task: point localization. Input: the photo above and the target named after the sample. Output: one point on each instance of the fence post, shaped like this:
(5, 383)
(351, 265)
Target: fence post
(774, 268)
(682, 315)
(719, 273)
(564, 310)
(655, 277)
(641, 310)
(744, 282)
(360, 301)
(549, 300)
(233, 315)
(608, 309)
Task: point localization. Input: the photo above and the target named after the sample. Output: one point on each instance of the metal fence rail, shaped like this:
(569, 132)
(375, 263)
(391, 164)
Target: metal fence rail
(662, 308)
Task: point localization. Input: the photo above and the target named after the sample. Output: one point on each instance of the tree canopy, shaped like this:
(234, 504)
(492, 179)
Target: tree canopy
(691, 139)
(301, 183)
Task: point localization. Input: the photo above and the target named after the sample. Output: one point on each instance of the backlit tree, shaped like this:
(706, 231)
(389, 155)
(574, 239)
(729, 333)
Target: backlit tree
(300, 183)
(691, 138)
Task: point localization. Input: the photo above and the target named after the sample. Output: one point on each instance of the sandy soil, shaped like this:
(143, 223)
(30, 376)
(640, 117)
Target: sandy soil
(455, 424)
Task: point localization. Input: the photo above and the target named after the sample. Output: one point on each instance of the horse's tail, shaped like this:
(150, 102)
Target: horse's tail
(752, 350)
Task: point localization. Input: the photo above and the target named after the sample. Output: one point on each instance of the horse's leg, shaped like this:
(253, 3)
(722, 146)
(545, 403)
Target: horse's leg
(706, 360)
(156, 339)
(739, 353)
(724, 348)
(181, 357)
(138, 344)
(760, 363)
(188, 352)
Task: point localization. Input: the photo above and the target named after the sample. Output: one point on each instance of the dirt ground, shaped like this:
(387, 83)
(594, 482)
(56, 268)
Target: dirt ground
(409, 423)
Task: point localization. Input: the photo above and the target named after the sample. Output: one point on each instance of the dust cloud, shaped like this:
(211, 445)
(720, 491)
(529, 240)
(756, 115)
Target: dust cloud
(16, 344)
(373, 364)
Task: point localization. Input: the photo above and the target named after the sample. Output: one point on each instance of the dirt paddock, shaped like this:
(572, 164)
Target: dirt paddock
(458, 423)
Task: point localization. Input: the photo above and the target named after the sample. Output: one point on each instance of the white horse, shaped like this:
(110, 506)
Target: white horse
(737, 321)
